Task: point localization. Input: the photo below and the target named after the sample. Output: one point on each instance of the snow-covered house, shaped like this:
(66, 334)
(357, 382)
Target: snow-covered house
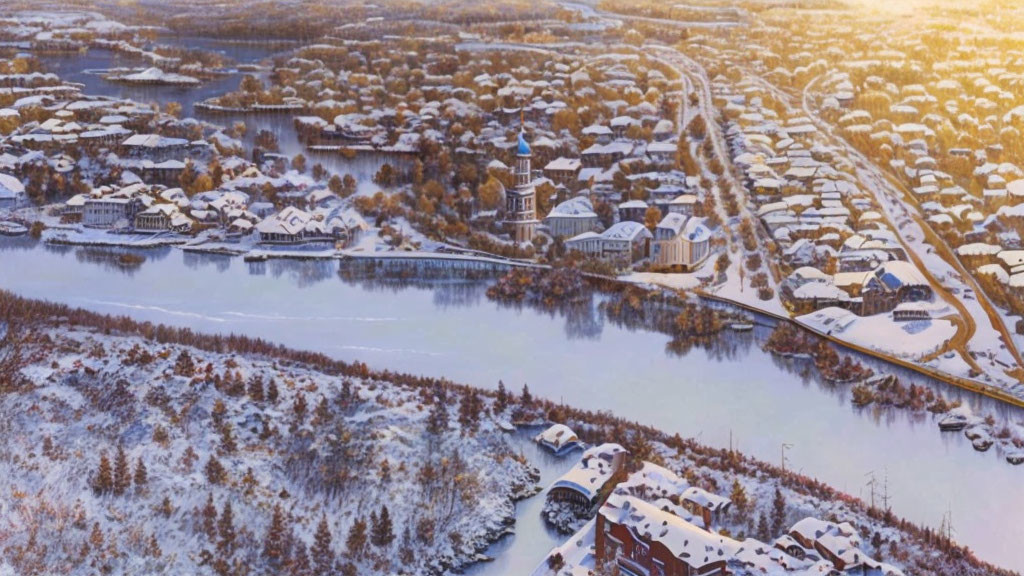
(583, 485)
(624, 242)
(640, 538)
(572, 217)
(681, 241)
(564, 171)
(559, 438)
(162, 218)
(12, 192)
(892, 283)
(154, 147)
(286, 227)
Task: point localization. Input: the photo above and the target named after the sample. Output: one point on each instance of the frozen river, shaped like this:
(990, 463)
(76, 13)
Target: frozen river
(450, 329)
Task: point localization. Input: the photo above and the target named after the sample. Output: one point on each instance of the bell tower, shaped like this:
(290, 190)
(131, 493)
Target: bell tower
(521, 201)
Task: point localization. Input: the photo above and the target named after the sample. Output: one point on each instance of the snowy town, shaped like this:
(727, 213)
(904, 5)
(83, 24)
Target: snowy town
(638, 210)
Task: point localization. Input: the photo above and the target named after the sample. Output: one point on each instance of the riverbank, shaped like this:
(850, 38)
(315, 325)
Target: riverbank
(445, 326)
(643, 441)
(450, 259)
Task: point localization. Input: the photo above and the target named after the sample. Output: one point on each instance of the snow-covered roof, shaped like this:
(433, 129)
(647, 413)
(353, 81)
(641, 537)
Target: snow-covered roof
(593, 471)
(10, 186)
(694, 546)
(578, 207)
(557, 435)
(626, 230)
(706, 499)
(564, 164)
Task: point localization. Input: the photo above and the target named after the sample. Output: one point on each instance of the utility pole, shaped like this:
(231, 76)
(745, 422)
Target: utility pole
(784, 448)
(871, 484)
(885, 490)
(949, 522)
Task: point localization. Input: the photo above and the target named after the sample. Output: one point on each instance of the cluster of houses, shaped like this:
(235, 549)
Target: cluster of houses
(970, 190)
(146, 161)
(549, 101)
(830, 233)
(143, 208)
(649, 520)
(679, 241)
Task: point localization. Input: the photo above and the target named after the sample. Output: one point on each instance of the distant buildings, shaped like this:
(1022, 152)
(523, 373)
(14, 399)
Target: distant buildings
(293, 226)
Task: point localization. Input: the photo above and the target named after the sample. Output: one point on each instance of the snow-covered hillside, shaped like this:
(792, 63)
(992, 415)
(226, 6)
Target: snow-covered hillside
(127, 457)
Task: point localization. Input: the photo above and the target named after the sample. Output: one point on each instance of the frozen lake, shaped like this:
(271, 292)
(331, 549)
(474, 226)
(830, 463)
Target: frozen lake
(449, 328)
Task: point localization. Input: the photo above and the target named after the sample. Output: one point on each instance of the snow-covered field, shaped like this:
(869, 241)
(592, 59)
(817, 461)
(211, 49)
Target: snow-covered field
(910, 340)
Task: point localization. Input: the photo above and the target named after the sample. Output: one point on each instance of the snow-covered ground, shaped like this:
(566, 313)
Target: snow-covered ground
(909, 340)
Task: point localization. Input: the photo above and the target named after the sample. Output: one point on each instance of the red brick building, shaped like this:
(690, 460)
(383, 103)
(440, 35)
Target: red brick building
(644, 540)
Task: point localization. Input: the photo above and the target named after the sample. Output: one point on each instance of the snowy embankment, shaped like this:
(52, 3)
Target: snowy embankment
(910, 340)
(226, 443)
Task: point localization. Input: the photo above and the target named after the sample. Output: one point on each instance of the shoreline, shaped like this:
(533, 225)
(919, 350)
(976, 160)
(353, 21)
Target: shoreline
(263, 254)
(590, 425)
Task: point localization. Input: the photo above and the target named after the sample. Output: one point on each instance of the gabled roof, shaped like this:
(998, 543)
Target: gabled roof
(694, 546)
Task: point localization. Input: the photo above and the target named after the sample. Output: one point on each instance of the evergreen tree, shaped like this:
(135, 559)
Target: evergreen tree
(141, 474)
(437, 420)
(96, 536)
(103, 482)
(356, 541)
(347, 397)
(739, 497)
(502, 400)
(299, 409)
(322, 413)
(184, 366)
(382, 534)
(210, 518)
(778, 511)
(272, 391)
(249, 481)
(256, 389)
(218, 413)
(406, 552)
(273, 542)
(226, 530)
(526, 399)
(322, 555)
(764, 532)
(470, 409)
(227, 440)
(215, 473)
(166, 509)
(122, 473)
(153, 548)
